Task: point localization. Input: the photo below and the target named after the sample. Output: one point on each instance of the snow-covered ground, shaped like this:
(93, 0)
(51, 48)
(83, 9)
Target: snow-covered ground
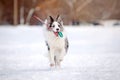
(94, 54)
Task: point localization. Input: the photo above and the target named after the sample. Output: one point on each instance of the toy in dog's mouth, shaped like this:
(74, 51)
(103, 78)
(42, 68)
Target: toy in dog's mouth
(58, 34)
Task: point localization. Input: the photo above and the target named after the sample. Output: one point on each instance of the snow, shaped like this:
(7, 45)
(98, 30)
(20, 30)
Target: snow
(94, 54)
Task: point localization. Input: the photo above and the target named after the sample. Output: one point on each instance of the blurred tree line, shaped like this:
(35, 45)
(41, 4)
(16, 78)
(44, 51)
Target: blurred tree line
(22, 11)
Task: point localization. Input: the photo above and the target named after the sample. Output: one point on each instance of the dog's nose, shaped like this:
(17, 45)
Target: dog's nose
(57, 29)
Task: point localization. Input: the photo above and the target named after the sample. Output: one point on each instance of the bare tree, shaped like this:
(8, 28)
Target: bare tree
(22, 12)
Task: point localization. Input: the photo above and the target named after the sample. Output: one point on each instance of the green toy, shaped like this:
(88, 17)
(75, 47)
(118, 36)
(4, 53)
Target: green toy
(60, 34)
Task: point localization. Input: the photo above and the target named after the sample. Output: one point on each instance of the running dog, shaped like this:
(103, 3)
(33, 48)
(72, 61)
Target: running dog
(56, 40)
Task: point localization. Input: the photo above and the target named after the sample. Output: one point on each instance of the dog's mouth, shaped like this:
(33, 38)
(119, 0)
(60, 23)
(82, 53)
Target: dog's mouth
(56, 33)
(60, 34)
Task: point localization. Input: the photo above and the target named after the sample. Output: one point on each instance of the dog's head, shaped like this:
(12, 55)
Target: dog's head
(56, 25)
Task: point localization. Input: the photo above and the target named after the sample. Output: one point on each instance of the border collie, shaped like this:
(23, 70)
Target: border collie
(56, 40)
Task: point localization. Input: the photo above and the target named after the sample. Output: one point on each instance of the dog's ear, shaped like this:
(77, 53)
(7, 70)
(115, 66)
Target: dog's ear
(51, 19)
(58, 18)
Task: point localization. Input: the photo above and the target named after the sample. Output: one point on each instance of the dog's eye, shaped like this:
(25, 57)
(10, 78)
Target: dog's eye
(53, 26)
(59, 25)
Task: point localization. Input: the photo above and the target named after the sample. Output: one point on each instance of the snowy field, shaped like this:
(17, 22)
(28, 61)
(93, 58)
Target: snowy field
(94, 54)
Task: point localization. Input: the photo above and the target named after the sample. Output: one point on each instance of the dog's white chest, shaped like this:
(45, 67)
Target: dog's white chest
(55, 41)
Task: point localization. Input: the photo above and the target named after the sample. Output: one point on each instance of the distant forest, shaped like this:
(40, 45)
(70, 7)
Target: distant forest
(70, 10)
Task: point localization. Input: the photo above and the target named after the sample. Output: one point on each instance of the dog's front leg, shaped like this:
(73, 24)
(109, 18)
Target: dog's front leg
(52, 62)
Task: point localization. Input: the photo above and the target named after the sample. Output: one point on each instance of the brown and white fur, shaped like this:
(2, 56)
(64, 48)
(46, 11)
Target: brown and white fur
(57, 46)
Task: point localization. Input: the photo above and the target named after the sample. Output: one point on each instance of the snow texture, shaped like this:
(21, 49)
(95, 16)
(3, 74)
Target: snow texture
(94, 54)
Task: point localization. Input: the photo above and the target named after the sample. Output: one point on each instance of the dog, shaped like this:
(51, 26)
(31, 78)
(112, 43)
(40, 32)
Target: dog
(56, 40)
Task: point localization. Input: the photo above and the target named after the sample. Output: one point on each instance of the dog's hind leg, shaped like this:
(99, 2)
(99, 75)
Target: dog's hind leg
(58, 62)
(63, 53)
(55, 59)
